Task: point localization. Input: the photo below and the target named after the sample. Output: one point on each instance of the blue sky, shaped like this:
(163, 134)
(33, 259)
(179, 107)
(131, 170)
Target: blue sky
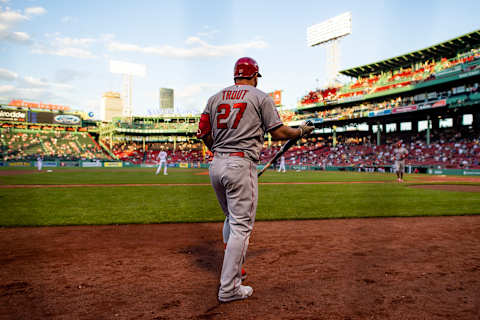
(59, 51)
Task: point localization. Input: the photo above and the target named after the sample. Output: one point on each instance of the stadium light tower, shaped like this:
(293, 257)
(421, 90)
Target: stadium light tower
(330, 32)
(127, 70)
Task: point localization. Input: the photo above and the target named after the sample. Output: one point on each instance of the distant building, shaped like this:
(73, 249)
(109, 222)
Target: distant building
(112, 106)
(166, 100)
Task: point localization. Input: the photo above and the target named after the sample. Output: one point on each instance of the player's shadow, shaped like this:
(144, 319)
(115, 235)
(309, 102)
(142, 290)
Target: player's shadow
(207, 251)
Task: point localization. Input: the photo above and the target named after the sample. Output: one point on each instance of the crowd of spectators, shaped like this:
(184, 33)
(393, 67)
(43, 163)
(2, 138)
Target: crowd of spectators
(362, 109)
(180, 152)
(18, 144)
(362, 86)
(167, 126)
(448, 151)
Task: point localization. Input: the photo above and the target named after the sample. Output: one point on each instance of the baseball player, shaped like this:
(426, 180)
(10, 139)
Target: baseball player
(39, 163)
(162, 160)
(400, 153)
(233, 126)
(282, 164)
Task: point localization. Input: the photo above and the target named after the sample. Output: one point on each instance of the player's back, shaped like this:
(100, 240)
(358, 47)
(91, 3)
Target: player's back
(239, 116)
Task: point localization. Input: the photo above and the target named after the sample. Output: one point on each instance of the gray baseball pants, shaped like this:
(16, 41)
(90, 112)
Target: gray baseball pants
(234, 180)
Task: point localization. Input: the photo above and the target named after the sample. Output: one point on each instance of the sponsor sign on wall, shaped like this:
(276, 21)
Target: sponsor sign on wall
(49, 163)
(13, 115)
(405, 109)
(67, 119)
(19, 164)
(54, 118)
(277, 97)
(89, 164)
(113, 164)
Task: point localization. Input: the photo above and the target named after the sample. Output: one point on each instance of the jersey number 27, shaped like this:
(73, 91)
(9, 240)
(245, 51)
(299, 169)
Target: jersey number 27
(223, 111)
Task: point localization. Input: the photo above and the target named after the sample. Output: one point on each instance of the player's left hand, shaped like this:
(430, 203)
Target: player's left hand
(306, 128)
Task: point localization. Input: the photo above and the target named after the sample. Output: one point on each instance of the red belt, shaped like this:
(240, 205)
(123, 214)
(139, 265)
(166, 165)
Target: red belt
(237, 154)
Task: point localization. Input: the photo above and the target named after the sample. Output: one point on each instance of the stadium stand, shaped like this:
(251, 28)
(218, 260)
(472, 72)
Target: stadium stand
(24, 144)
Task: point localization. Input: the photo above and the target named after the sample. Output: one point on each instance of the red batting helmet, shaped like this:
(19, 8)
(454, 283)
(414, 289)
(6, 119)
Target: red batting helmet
(245, 68)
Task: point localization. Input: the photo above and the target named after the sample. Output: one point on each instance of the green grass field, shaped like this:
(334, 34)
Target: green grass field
(197, 203)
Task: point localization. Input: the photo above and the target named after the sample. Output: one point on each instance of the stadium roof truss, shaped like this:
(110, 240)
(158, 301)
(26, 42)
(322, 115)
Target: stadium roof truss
(447, 49)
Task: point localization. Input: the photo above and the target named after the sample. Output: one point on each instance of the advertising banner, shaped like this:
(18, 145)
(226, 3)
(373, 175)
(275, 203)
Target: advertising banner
(67, 119)
(113, 164)
(89, 164)
(49, 163)
(424, 106)
(13, 115)
(54, 118)
(405, 109)
(183, 165)
(440, 103)
(19, 164)
(277, 97)
(69, 164)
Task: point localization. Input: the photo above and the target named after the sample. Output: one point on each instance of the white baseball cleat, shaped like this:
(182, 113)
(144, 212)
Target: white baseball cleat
(243, 293)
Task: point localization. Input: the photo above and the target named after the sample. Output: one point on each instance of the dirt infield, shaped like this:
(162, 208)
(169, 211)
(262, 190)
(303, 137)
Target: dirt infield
(391, 268)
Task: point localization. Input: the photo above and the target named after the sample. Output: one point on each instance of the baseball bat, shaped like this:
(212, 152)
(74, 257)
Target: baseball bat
(282, 150)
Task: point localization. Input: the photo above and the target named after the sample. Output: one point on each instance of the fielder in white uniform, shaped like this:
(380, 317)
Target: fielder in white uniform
(400, 154)
(39, 163)
(282, 164)
(162, 158)
(233, 126)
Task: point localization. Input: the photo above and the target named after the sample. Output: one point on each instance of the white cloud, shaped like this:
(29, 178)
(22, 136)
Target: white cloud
(9, 19)
(33, 89)
(35, 11)
(65, 52)
(19, 36)
(66, 47)
(74, 42)
(43, 83)
(195, 48)
(68, 19)
(7, 75)
(207, 32)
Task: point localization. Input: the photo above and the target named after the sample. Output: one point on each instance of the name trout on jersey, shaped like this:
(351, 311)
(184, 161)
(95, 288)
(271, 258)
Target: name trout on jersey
(204, 127)
(233, 94)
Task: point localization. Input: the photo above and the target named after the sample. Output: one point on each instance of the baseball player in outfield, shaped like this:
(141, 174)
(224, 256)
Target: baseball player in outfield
(233, 126)
(162, 160)
(400, 153)
(282, 164)
(39, 163)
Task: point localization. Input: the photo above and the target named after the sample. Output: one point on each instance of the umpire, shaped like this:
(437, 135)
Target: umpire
(233, 126)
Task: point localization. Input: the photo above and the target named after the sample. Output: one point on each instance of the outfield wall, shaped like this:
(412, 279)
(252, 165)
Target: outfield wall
(200, 165)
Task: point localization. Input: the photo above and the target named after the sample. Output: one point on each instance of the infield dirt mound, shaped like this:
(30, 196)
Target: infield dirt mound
(391, 268)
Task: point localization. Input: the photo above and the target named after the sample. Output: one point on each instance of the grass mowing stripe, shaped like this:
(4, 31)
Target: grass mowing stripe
(119, 205)
(147, 176)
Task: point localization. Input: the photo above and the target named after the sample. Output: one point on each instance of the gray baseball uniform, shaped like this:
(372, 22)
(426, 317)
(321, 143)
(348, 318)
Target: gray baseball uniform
(239, 116)
(399, 154)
